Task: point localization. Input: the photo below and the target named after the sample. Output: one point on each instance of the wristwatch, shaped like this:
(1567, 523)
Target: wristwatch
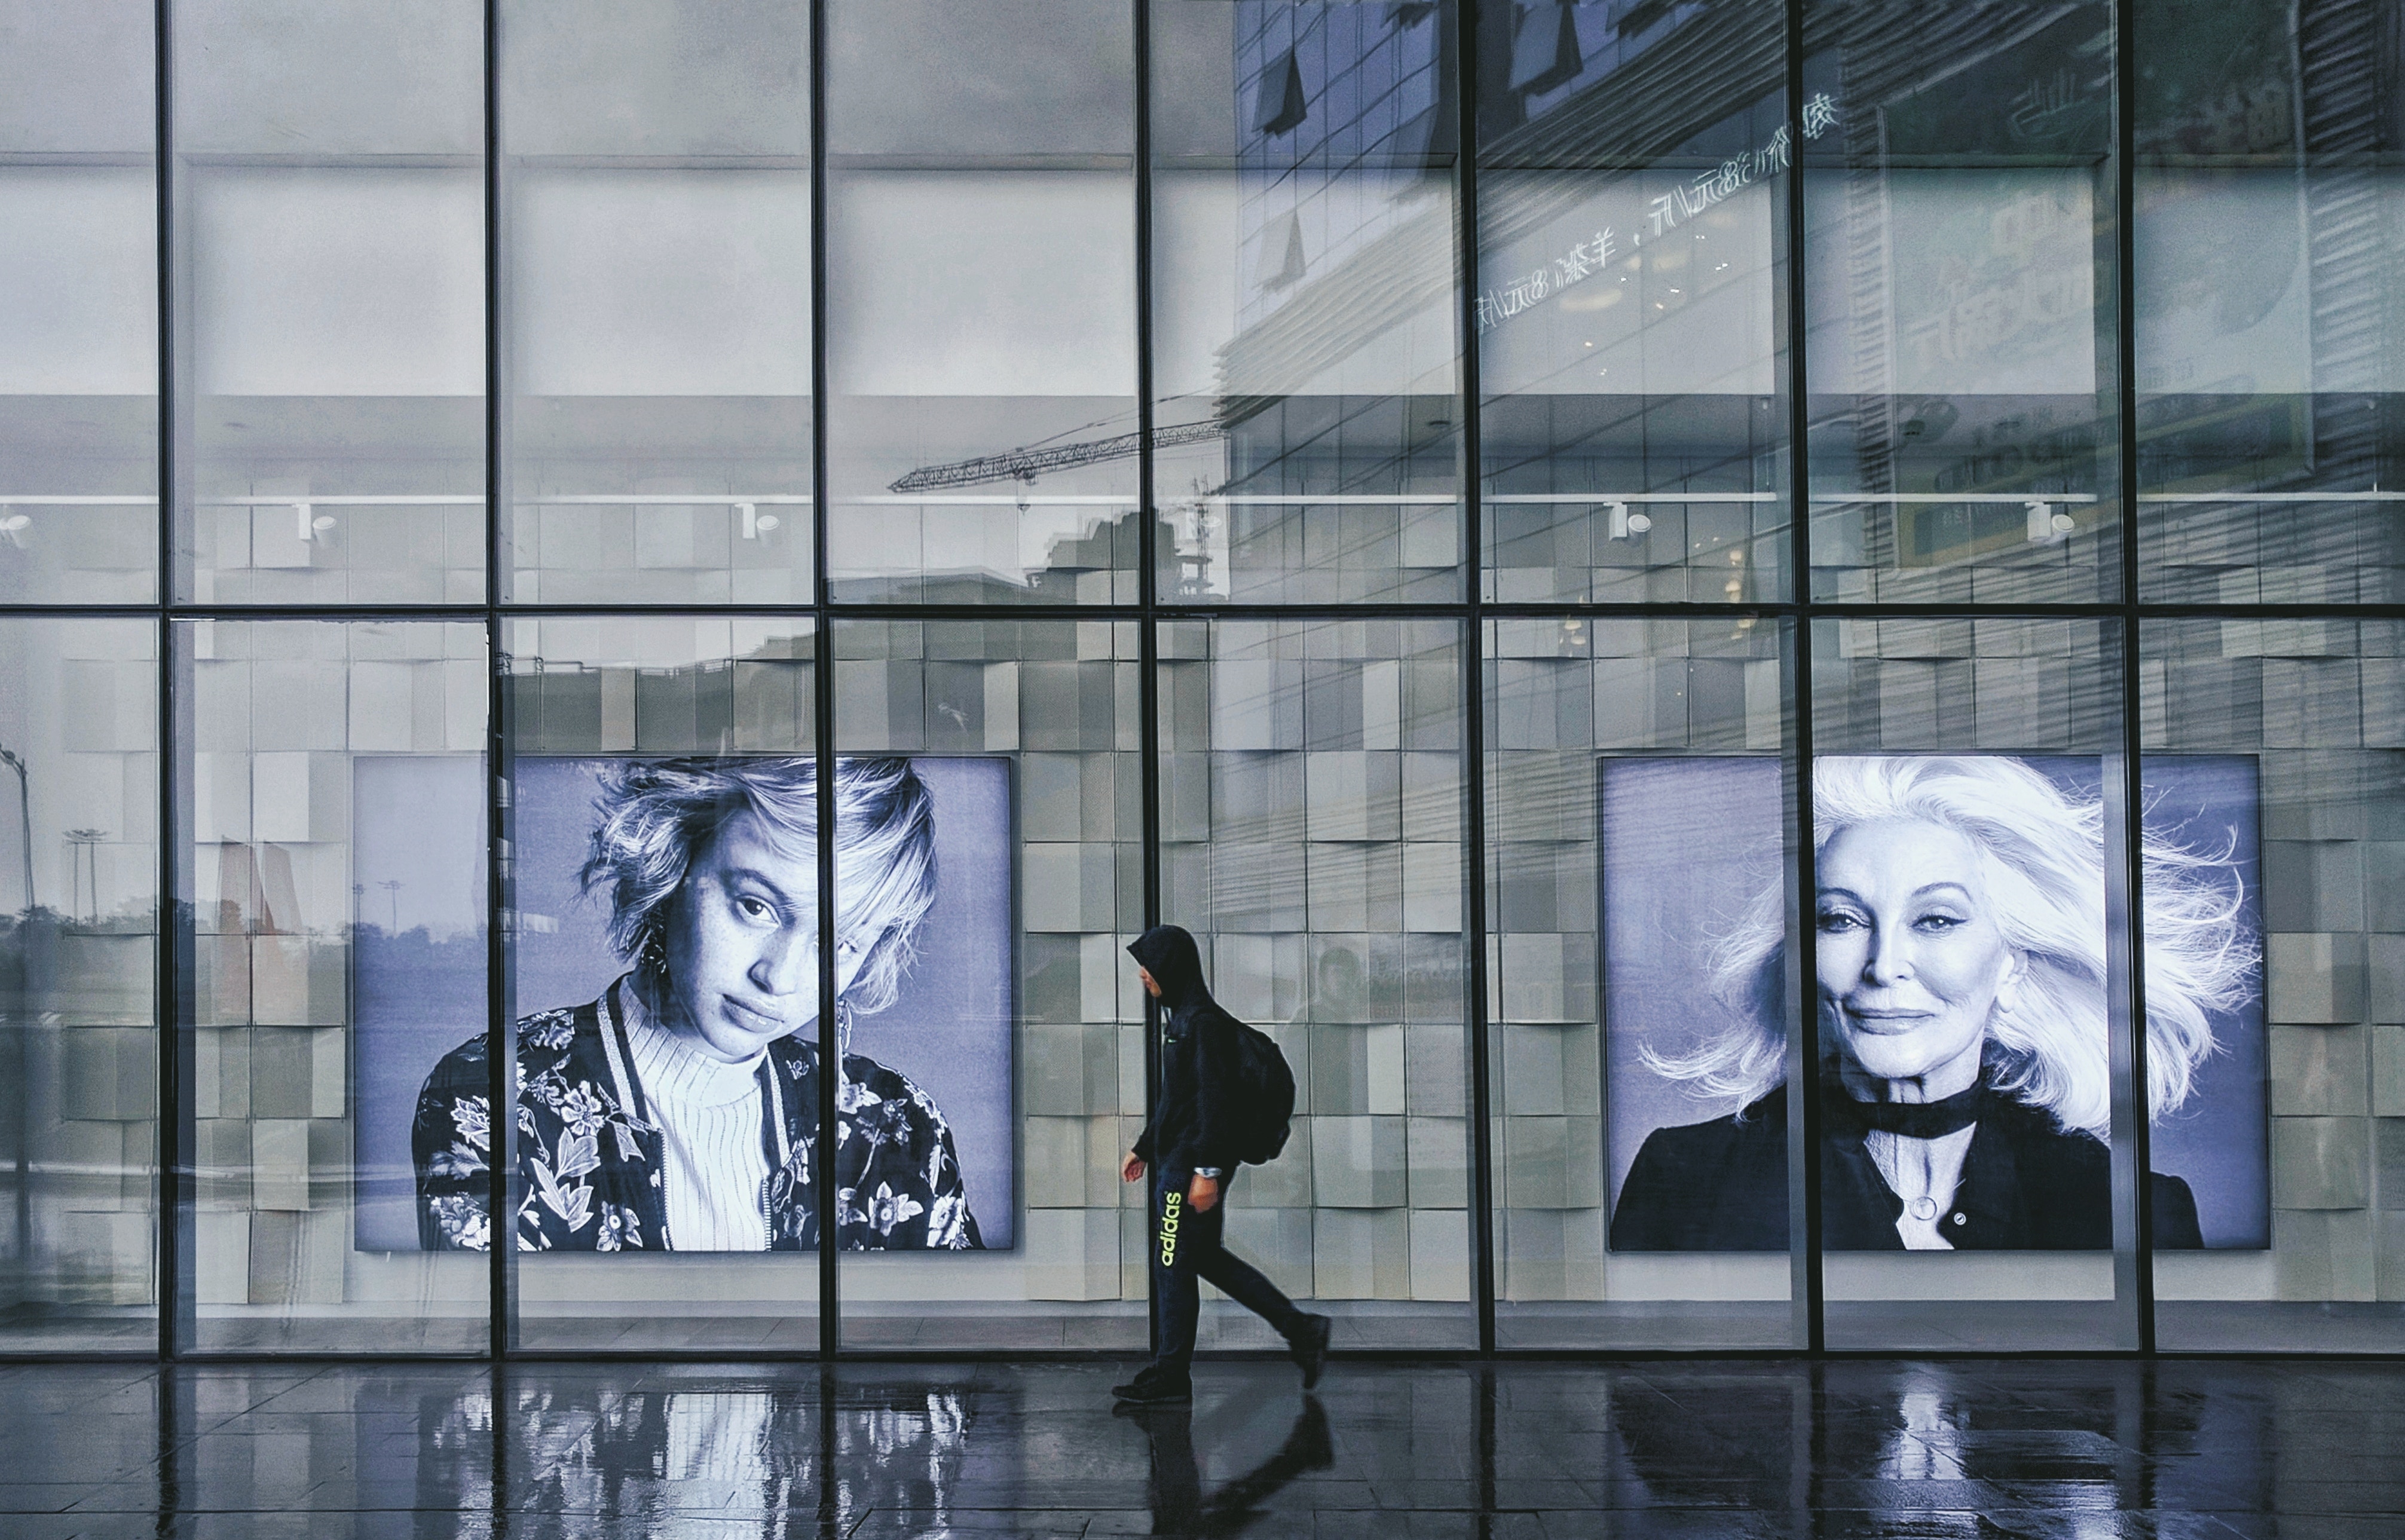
(1211, 1171)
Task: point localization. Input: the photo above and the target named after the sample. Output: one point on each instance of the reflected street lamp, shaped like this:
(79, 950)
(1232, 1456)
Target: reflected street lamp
(26, 818)
(87, 856)
(24, 1161)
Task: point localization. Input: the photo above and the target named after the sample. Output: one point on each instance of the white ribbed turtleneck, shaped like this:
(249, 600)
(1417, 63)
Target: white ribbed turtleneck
(709, 1114)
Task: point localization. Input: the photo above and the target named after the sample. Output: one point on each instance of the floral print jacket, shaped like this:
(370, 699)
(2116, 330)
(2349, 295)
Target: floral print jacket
(590, 1161)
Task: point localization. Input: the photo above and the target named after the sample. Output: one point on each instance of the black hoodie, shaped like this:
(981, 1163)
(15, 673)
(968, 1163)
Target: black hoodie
(1191, 1120)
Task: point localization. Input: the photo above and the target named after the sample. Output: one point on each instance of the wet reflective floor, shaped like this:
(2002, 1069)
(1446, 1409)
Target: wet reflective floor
(2186, 1448)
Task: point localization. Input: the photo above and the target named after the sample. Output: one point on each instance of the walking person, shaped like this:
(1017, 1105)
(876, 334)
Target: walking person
(1191, 1148)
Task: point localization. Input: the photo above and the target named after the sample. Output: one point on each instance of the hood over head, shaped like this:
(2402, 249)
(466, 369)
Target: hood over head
(1169, 953)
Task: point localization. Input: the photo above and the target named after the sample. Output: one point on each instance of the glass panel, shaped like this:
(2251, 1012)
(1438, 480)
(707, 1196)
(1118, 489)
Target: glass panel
(1312, 807)
(660, 300)
(1024, 738)
(2306, 720)
(331, 794)
(78, 305)
(664, 860)
(1305, 300)
(329, 225)
(1634, 791)
(981, 297)
(2269, 202)
(1632, 250)
(1970, 809)
(78, 1005)
(1959, 201)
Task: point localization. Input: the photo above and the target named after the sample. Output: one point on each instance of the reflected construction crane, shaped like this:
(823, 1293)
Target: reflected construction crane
(1025, 465)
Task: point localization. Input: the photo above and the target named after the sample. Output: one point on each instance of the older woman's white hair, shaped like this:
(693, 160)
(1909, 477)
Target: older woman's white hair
(2042, 851)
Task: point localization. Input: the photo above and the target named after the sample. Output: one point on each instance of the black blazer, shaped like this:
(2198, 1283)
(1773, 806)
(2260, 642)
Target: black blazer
(2027, 1185)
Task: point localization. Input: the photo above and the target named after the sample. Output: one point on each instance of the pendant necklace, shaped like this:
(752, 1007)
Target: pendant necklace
(1889, 1152)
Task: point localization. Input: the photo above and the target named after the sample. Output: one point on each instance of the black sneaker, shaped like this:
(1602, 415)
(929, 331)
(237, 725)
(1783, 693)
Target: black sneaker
(1143, 1377)
(1308, 1347)
(1144, 1392)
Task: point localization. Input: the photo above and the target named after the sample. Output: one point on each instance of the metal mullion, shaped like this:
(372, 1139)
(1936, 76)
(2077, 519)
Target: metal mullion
(1451, 609)
(1148, 588)
(2133, 825)
(328, 613)
(78, 611)
(1565, 610)
(174, 1235)
(1807, 1295)
(1146, 536)
(500, 1056)
(1473, 672)
(823, 705)
(738, 1357)
(2017, 608)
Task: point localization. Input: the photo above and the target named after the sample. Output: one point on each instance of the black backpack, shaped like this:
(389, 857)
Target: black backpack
(1264, 1095)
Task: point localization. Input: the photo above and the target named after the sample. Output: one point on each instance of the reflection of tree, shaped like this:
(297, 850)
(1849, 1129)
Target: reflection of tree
(75, 989)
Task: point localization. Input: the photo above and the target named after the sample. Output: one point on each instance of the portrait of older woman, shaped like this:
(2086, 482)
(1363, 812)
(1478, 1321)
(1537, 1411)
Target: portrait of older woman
(677, 1111)
(1965, 1069)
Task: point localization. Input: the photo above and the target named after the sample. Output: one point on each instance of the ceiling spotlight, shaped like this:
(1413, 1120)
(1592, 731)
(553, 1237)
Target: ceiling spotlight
(13, 527)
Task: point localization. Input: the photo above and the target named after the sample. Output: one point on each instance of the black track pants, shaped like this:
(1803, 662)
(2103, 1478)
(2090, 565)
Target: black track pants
(1185, 1250)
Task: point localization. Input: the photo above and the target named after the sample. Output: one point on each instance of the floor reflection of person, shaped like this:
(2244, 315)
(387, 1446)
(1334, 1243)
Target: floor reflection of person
(678, 1112)
(1966, 1066)
(1174, 1477)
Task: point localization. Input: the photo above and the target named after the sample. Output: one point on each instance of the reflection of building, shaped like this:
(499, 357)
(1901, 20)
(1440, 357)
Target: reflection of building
(1336, 379)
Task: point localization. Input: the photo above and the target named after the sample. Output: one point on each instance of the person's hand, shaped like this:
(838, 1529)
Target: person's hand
(1133, 1169)
(1203, 1194)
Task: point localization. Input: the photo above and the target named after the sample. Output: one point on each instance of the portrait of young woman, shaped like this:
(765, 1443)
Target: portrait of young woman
(677, 1109)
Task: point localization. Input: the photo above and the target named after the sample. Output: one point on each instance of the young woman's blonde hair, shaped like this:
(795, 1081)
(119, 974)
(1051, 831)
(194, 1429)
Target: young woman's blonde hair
(656, 816)
(2043, 855)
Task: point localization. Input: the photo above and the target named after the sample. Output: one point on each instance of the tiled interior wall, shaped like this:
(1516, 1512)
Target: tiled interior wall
(1340, 742)
(78, 987)
(1560, 696)
(661, 685)
(278, 712)
(1061, 698)
(2321, 703)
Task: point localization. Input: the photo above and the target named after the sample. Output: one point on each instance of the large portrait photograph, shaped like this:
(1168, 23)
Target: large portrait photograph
(668, 1042)
(1962, 931)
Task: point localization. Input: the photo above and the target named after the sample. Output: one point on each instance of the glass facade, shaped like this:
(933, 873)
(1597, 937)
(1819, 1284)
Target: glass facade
(326, 224)
(656, 209)
(1759, 632)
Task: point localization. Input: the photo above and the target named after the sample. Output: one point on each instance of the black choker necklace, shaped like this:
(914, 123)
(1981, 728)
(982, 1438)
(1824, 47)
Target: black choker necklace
(1912, 1119)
